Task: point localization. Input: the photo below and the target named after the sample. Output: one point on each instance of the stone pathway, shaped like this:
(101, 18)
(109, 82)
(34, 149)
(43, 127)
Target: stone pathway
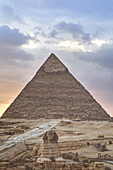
(36, 132)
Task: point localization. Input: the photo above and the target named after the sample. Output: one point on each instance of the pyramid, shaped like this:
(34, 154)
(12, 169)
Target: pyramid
(55, 93)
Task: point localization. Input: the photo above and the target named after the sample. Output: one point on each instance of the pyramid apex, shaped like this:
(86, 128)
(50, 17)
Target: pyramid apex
(52, 54)
(53, 64)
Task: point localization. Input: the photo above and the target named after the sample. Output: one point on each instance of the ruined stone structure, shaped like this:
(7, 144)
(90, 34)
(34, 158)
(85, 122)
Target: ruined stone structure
(55, 93)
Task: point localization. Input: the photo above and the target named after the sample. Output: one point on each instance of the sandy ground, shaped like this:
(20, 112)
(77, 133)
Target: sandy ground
(73, 131)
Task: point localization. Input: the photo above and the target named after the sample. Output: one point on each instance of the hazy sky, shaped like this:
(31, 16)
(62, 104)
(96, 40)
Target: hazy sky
(79, 32)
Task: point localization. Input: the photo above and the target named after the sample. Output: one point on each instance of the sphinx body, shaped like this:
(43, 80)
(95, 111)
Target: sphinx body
(49, 150)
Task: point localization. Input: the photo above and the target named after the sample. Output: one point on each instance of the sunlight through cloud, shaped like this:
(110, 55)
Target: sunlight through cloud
(73, 45)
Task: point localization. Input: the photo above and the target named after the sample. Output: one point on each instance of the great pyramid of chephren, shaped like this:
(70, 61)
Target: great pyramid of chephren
(55, 93)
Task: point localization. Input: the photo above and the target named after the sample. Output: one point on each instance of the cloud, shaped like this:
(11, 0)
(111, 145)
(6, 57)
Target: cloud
(11, 41)
(76, 30)
(8, 15)
(53, 33)
(12, 37)
(102, 57)
(65, 31)
(14, 55)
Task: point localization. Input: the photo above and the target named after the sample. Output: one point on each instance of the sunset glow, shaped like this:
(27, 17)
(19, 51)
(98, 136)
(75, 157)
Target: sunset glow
(3, 107)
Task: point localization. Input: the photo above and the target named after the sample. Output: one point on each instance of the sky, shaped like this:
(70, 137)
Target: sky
(79, 32)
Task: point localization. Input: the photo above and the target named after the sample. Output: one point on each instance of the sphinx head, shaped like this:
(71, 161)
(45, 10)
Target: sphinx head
(50, 137)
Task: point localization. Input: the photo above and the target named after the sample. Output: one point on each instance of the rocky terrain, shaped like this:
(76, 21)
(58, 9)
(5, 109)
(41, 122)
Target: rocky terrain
(83, 144)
